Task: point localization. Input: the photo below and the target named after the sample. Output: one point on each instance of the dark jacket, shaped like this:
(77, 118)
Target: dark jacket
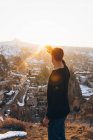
(57, 93)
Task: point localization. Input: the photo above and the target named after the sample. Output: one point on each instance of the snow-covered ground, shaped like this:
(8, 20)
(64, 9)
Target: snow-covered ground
(11, 101)
(23, 101)
(86, 91)
(10, 134)
(10, 93)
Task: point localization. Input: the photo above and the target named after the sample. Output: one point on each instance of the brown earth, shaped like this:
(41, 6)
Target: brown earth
(74, 130)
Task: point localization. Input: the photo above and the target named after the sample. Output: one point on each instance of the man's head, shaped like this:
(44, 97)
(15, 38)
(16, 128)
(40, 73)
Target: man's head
(57, 55)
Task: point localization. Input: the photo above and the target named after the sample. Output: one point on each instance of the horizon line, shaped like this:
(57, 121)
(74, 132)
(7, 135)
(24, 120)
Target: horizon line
(28, 42)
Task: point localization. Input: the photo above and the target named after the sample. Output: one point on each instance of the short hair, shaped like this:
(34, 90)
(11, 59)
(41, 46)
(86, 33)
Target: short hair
(58, 54)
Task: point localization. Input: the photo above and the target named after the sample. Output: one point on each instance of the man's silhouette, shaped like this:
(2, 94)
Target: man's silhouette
(57, 97)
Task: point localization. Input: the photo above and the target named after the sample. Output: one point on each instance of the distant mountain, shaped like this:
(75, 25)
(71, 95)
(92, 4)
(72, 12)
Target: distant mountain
(14, 47)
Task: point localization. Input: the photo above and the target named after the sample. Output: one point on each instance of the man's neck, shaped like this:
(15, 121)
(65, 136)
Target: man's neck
(58, 65)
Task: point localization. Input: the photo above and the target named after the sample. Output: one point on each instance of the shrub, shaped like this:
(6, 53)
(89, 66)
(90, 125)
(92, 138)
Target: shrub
(14, 124)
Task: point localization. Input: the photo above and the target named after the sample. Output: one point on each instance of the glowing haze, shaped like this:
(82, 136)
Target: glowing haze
(55, 22)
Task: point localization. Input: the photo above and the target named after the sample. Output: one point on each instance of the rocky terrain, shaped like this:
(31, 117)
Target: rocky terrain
(76, 130)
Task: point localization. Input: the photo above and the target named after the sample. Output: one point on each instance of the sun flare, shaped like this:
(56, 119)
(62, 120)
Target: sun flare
(47, 22)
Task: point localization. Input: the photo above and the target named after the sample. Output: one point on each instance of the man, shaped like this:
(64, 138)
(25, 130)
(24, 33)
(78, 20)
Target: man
(57, 97)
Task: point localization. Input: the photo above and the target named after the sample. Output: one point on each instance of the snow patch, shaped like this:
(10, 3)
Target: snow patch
(86, 91)
(10, 93)
(10, 134)
(10, 101)
(23, 102)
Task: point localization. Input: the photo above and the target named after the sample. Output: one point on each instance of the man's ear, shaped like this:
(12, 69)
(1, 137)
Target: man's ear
(49, 49)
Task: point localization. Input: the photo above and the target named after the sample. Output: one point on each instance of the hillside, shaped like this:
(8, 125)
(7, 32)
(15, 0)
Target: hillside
(75, 130)
(15, 47)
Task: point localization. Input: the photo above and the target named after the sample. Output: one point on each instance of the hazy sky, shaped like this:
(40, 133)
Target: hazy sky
(55, 22)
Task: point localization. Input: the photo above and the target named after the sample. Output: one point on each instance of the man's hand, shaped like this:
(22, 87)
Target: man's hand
(45, 122)
(49, 49)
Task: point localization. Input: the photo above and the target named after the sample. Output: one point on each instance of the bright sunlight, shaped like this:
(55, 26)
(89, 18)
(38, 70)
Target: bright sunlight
(55, 22)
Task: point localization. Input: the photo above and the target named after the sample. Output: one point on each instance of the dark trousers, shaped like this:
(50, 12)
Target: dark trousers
(56, 129)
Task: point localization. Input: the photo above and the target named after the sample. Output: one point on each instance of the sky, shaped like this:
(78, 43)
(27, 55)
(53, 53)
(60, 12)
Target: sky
(54, 22)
